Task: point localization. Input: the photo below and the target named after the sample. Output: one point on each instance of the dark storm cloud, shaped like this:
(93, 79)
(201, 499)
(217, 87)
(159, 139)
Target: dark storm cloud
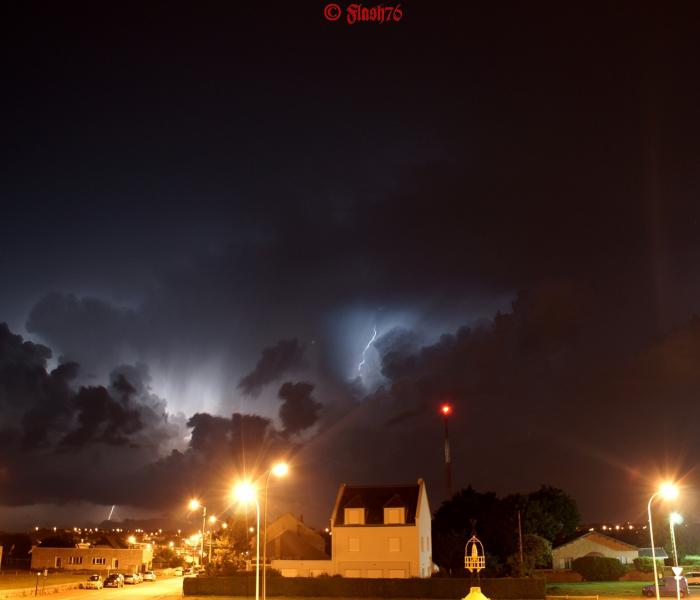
(299, 410)
(274, 363)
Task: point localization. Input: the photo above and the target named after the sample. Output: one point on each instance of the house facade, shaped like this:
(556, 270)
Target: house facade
(593, 543)
(96, 558)
(382, 531)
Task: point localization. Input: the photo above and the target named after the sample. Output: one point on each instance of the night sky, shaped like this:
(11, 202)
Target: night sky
(209, 208)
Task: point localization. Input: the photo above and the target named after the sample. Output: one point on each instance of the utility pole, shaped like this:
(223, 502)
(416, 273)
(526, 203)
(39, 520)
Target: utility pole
(520, 543)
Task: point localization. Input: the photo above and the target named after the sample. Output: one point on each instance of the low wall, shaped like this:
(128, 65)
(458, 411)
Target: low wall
(438, 587)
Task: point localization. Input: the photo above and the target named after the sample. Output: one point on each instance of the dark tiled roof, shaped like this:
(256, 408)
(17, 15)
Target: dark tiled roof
(375, 498)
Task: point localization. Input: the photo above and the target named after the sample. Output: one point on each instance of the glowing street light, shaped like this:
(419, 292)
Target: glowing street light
(674, 519)
(196, 505)
(668, 491)
(245, 493)
(279, 469)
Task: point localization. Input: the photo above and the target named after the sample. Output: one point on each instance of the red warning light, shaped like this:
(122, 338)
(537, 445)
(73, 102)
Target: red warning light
(446, 410)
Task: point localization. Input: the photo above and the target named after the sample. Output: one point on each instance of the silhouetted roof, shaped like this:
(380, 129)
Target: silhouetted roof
(375, 498)
(603, 540)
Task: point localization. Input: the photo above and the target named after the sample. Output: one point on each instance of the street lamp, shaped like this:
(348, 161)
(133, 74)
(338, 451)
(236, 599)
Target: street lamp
(667, 491)
(194, 505)
(674, 519)
(279, 469)
(212, 520)
(245, 492)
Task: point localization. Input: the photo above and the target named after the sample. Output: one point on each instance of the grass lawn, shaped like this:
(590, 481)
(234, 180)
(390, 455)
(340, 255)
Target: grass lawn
(598, 588)
(10, 581)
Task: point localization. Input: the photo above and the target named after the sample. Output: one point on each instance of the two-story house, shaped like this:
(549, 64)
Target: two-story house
(382, 531)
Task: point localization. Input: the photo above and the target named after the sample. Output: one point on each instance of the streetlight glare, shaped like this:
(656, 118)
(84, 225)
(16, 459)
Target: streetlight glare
(244, 492)
(194, 504)
(676, 518)
(669, 491)
(212, 519)
(280, 469)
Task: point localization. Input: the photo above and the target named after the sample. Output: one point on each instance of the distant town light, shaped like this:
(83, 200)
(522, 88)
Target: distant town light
(446, 410)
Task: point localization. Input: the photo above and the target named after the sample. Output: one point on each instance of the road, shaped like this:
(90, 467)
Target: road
(163, 589)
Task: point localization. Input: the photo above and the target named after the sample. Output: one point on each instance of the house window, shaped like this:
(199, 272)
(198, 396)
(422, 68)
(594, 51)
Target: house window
(353, 544)
(99, 560)
(397, 573)
(58, 562)
(394, 516)
(354, 516)
(374, 573)
(75, 560)
(352, 572)
(115, 563)
(394, 544)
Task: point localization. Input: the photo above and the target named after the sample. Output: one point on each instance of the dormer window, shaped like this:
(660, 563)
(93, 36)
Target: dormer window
(354, 516)
(395, 515)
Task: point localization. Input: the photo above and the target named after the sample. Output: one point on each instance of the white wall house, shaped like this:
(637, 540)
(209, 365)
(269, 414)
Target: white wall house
(593, 543)
(382, 531)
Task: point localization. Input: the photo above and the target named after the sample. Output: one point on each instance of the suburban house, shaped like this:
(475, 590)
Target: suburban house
(593, 543)
(289, 538)
(108, 554)
(382, 531)
(376, 532)
(659, 553)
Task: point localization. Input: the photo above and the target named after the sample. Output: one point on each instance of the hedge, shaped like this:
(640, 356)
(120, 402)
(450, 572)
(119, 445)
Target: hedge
(440, 587)
(599, 568)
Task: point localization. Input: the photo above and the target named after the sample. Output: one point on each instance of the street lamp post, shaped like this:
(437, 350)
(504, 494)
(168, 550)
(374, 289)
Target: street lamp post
(667, 491)
(674, 519)
(245, 492)
(212, 520)
(279, 470)
(194, 505)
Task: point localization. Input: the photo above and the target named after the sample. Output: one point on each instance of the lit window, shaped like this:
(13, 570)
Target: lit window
(99, 561)
(354, 516)
(394, 516)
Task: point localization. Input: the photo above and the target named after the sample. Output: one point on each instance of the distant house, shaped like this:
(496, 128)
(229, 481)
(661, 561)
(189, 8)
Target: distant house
(288, 538)
(107, 555)
(382, 531)
(593, 543)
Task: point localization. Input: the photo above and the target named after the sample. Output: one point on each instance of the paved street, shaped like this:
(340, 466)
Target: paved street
(162, 589)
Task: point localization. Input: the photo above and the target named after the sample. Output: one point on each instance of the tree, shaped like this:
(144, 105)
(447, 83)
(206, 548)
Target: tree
(168, 557)
(548, 513)
(551, 513)
(537, 554)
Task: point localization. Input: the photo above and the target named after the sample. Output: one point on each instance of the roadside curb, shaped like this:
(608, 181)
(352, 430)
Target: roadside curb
(49, 589)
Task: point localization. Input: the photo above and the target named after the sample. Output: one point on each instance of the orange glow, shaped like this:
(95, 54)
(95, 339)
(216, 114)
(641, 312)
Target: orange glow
(446, 409)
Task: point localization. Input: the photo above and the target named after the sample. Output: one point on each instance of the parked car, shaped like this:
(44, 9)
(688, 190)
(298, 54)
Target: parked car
(94, 582)
(149, 576)
(139, 577)
(178, 571)
(693, 578)
(114, 580)
(667, 587)
(131, 578)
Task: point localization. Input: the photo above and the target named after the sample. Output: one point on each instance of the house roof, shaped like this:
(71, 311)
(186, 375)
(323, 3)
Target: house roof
(604, 540)
(374, 499)
(659, 552)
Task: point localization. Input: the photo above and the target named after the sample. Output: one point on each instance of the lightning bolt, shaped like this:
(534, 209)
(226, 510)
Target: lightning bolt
(109, 518)
(364, 352)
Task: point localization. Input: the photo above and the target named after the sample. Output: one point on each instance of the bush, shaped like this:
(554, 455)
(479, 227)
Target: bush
(646, 565)
(599, 568)
(691, 559)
